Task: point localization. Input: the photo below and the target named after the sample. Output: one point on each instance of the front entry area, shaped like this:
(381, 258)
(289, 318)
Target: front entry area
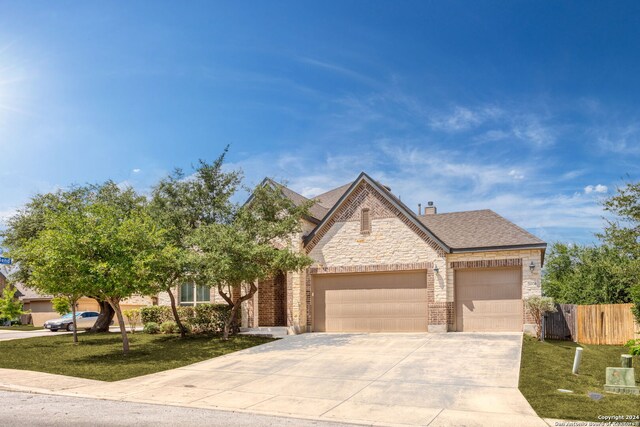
(375, 302)
(489, 300)
(272, 300)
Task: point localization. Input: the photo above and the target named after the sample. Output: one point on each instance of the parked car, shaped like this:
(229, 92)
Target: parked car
(84, 320)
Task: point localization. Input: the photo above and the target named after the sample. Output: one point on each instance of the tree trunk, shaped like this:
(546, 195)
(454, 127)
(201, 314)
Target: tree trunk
(115, 304)
(176, 316)
(105, 318)
(235, 306)
(75, 323)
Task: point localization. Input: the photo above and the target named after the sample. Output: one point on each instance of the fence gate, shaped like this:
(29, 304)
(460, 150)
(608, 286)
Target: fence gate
(561, 325)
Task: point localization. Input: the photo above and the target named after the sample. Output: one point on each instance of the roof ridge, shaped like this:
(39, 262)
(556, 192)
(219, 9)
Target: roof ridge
(334, 189)
(287, 188)
(456, 212)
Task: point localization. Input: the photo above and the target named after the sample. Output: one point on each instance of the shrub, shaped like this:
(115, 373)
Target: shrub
(151, 328)
(169, 327)
(634, 347)
(152, 313)
(537, 306)
(209, 317)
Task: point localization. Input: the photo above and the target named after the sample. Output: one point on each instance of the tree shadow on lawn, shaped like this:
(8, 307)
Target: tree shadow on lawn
(168, 349)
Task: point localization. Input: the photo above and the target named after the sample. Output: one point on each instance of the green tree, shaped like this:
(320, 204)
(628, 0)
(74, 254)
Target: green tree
(97, 241)
(576, 274)
(61, 305)
(10, 307)
(52, 265)
(623, 234)
(180, 205)
(32, 220)
(255, 245)
(119, 240)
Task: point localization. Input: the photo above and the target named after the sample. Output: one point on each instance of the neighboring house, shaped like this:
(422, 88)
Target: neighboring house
(380, 267)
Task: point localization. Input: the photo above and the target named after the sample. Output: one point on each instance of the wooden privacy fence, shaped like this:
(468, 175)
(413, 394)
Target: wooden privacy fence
(609, 324)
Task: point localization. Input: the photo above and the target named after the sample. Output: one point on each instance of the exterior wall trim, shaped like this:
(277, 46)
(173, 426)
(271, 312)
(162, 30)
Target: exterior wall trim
(372, 268)
(498, 248)
(487, 263)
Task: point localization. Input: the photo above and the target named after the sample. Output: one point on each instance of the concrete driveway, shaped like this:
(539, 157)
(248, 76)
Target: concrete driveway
(403, 379)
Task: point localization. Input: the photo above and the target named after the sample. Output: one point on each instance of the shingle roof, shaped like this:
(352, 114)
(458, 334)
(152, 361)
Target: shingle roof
(477, 229)
(25, 293)
(480, 229)
(330, 198)
(316, 210)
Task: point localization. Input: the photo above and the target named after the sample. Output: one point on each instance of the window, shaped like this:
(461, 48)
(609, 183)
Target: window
(191, 294)
(365, 221)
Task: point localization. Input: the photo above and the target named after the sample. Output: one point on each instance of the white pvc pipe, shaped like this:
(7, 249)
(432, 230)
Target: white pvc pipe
(576, 360)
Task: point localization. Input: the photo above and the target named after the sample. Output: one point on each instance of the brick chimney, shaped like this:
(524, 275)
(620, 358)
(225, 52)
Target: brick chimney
(430, 209)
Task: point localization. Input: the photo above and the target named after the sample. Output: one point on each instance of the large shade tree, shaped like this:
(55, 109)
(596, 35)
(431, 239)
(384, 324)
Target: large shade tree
(27, 225)
(99, 244)
(180, 204)
(256, 244)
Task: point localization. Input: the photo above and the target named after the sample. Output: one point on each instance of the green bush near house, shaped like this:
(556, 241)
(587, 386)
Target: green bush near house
(203, 318)
(151, 328)
(152, 314)
(209, 317)
(169, 327)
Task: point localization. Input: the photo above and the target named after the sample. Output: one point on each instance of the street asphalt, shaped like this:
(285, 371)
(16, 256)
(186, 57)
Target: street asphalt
(20, 409)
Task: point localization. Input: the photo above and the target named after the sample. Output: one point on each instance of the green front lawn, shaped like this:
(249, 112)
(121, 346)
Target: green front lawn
(99, 356)
(546, 367)
(21, 328)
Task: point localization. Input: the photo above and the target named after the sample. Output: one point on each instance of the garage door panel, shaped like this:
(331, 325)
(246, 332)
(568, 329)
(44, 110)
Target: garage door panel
(390, 302)
(489, 300)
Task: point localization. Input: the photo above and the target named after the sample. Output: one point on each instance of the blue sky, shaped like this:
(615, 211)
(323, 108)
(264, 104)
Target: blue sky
(525, 107)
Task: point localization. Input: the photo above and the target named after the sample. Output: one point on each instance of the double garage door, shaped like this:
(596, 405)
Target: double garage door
(380, 302)
(486, 300)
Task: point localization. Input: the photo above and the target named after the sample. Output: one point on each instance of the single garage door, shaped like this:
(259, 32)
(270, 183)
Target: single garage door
(380, 302)
(489, 300)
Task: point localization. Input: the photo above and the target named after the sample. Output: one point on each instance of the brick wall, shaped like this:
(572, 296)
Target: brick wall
(272, 301)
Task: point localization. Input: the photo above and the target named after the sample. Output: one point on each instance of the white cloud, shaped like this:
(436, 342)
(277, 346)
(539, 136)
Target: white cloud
(595, 189)
(529, 129)
(619, 139)
(463, 118)
(136, 170)
(515, 174)
(520, 124)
